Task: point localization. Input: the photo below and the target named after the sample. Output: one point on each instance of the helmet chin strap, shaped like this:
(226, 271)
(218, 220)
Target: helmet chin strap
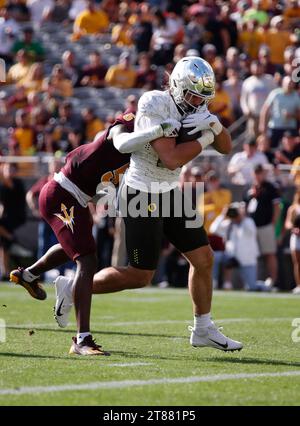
(185, 108)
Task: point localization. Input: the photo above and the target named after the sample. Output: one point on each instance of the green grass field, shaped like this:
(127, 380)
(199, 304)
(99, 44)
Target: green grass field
(151, 361)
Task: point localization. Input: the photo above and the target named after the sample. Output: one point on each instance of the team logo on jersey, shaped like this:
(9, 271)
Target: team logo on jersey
(67, 218)
(128, 117)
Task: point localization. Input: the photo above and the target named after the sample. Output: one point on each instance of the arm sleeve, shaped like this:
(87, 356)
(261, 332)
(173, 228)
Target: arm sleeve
(130, 142)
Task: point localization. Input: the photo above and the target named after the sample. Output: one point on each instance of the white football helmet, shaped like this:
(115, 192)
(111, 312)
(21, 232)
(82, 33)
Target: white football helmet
(192, 76)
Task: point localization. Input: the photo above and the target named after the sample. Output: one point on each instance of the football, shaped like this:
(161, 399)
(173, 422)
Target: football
(184, 137)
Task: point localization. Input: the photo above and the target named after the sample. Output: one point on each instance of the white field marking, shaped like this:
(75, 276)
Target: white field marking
(144, 299)
(150, 382)
(126, 323)
(128, 364)
(9, 289)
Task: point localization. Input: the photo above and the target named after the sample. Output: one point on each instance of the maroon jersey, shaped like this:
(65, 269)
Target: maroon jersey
(99, 161)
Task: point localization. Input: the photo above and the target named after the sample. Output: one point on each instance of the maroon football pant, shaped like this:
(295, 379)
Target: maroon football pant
(71, 223)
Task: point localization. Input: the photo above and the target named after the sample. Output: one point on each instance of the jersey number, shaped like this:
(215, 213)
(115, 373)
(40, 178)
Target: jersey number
(114, 176)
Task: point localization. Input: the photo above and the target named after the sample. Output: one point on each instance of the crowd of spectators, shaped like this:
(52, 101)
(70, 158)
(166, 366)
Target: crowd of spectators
(110, 51)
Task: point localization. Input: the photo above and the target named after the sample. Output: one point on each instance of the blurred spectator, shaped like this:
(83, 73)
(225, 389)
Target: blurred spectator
(70, 67)
(20, 69)
(277, 38)
(295, 172)
(228, 27)
(292, 12)
(289, 150)
(121, 32)
(141, 32)
(219, 67)
(281, 112)
(289, 60)
(18, 10)
(264, 146)
(232, 58)
(215, 32)
(221, 105)
(17, 100)
(38, 9)
(33, 48)
(209, 53)
(242, 164)
(12, 198)
(263, 201)
(9, 29)
(239, 11)
(256, 13)
(241, 249)
(131, 104)
(292, 224)
(249, 39)
(122, 75)
(67, 129)
(255, 91)
(77, 7)
(233, 86)
(39, 119)
(59, 12)
(163, 38)
(215, 199)
(92, 20)
(23, 135)
(146, 73)
(57, 84)
(93, 74)
(194, 31)
(244, 66)
(33, 80)
(180, 52)
(92, 124)
(264, 58)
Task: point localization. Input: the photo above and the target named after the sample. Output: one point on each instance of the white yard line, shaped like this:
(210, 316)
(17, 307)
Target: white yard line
(142, 323)
(128, 364)
(150, 382)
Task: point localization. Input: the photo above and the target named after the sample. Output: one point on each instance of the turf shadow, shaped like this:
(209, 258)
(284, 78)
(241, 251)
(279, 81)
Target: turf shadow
(117, 333)
(248, 360)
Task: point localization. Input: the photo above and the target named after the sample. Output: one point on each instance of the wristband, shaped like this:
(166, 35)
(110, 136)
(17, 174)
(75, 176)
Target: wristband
(206, 139)
(216, 127)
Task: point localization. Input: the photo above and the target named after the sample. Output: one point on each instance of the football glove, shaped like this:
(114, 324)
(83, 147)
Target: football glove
(202, 121)
(170, 128)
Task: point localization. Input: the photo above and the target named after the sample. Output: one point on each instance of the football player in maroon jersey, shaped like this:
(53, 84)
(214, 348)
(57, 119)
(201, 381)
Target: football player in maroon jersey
(63, 203)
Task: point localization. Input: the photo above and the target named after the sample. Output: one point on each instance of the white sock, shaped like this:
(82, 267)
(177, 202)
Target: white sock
(81, 336)
(28, 276)
(202, 321)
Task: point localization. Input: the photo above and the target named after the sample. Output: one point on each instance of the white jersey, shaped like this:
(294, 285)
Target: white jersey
(146, 173)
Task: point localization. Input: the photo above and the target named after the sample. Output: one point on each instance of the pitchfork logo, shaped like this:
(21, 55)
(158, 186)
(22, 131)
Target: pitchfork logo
(67, 218)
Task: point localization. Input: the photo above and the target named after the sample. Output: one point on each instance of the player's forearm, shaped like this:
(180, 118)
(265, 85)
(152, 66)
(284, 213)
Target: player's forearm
(222, 142)
(182, 154)
(130, 142)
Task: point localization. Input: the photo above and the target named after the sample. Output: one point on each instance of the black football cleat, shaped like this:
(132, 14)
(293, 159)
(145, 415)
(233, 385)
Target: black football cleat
(34, 288)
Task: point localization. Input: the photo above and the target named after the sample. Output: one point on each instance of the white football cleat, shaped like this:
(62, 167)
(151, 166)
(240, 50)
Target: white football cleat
(212, 337)
(64, 301)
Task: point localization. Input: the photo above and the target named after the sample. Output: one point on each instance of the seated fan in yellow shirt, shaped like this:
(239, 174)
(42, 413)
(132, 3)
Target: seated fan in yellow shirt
(90, 21)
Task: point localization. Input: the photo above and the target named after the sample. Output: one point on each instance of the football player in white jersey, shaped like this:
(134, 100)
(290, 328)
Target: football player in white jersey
(152, 179)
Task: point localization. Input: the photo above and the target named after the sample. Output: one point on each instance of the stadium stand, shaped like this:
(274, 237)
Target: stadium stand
(253, 46)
